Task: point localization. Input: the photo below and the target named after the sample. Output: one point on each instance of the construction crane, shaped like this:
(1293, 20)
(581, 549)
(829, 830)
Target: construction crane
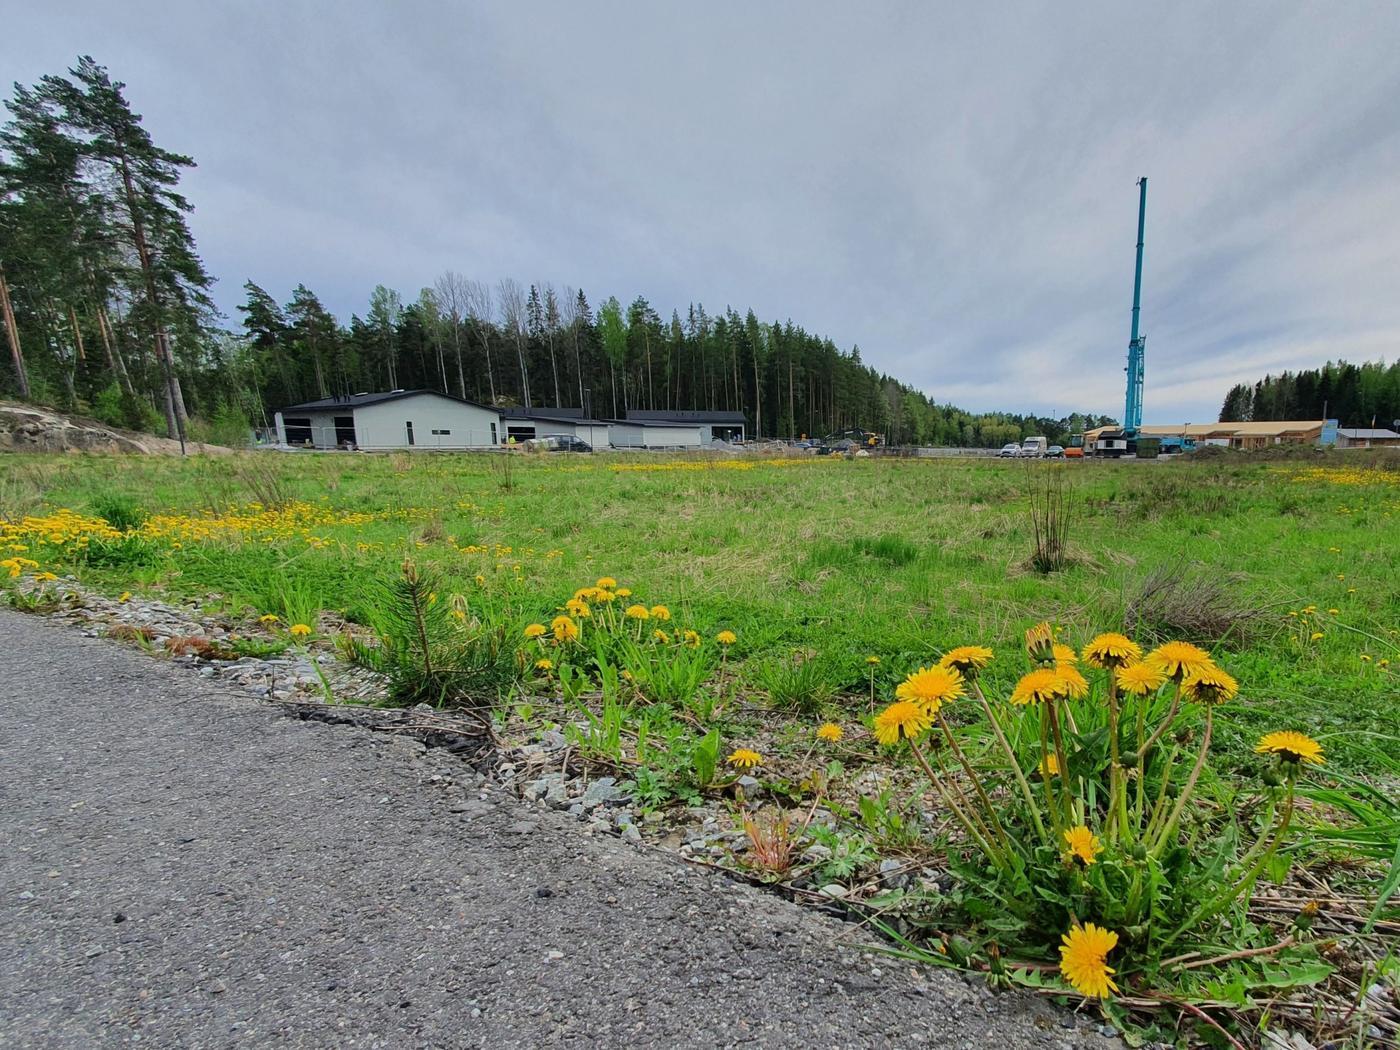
(1124, 440)
(1137, 343)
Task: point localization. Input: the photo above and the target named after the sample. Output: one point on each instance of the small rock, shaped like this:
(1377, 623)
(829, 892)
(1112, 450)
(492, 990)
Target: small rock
(554, 956)
(748, 784)
(833, 889)
(892, 875)
(578, 810)
(631, 833)
(523, 827)
(600, 791)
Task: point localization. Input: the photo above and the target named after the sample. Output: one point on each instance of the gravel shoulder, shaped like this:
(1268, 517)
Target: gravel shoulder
(183, 866)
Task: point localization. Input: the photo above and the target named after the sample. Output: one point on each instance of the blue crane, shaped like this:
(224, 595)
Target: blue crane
(1132, 406)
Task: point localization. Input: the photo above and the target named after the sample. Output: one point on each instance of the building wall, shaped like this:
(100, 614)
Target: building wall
(642, 435)
(384, 425)
(323, 432)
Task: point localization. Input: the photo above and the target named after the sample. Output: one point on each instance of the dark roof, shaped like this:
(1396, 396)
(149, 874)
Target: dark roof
(352, 401)
(543, 412)
(684, 416)
(1366, 433)
(674, 424)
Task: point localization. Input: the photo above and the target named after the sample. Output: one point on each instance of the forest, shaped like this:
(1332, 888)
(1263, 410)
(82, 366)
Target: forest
(107, 312)
(1355, 395)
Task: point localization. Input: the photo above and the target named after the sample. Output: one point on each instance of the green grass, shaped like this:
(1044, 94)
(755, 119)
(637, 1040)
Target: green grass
(840, 559)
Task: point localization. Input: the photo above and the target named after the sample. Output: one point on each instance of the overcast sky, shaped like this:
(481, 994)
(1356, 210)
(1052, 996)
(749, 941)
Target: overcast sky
(954, 191)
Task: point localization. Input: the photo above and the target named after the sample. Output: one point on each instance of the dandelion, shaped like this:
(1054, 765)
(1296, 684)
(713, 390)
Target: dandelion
(265, 617)
(901, 720)
(1210, 685)
(967, 660)
(1076, 686)
(1140, 679)
(661, 636)
(1334, 612)
(1049, 766)
(480, 580)
(872, 661)
(660, 612)
(1315, 636)
(830, 732)
(930, 688)
(1178, 659)
(565, 629)
(1084, 959)
(600, 595)
(637, 612)
(1366, 658)
(535, 630)
(1040, 686)
(1082, 845)
(44, 577)
(1040, 643)
(743, 758)
(623, 592)
(578, 608)
(1341, 576)
(544, 665)
(726, 638)
(298, 630)
(691, 638)
(606, 583)
(1112, 650)
(125, 596)
(1291, 747)
(1064, 654)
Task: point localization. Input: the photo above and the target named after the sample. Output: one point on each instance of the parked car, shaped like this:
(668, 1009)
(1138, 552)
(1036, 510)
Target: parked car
(1055, 452)
(561, 443)
(1010, 450)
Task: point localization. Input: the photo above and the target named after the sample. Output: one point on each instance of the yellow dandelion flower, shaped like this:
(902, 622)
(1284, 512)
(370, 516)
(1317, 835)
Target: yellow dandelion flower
(1178, 659)
(931, 688)
(1084, 960)
(600, 595)
(1334, 612)
(1082, 845)
(967, 660)
(637, 612)
(565, 629)
(743, 758)
(1064, 654)
(1076, 685)
(268, 618)
(901, 720)
(480, 580)
(1140, 679)
(578, 608)
(726, 638)
(1366, 658)
(691, 638)
(830, 732)
(1039, 687)
(1290, 747)
(624, 592)
(661, 636)
(544, 664)
(660, 612)
(1315, 636)
(1209, 685)
(535, 630)
(1040, 643)
(125, 596)
(872, 661)
(1049, 766)
(606, 583)
(298, 630)
(1112, 650)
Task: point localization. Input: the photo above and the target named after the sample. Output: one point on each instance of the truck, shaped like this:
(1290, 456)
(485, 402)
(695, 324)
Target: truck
(1034, 448)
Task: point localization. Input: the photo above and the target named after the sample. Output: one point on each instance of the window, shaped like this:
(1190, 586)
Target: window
(493, 433)
(409, 427)
(344, 430)
(442, 433)
(298, 431)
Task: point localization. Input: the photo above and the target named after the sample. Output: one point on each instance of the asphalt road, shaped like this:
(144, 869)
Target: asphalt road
(184, 867)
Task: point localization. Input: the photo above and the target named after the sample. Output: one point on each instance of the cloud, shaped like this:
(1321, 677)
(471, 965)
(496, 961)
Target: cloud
(954, 191)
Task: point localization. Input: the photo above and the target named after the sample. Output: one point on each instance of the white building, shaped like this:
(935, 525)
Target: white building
(713, 426)
(399, 419)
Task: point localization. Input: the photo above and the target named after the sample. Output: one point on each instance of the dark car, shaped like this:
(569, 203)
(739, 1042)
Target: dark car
(565, 443)
(1055, 452)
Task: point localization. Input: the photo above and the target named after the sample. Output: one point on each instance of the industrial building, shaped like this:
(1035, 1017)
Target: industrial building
(713, 426)
(524, 424)
(1367, 437)
(392, 420)
(653, 434)
(1252, 435)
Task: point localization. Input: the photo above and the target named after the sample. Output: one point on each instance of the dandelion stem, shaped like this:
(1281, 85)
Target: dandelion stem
(1170, 826)
(976, 783)
(1166, 722)
(1011, 758)
(972, 832)
(1062, 758)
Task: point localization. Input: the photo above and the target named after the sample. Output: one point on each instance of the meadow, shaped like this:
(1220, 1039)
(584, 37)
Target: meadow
(765, 608)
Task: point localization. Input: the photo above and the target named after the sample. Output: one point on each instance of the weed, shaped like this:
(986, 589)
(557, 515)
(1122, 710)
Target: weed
(118, 511)
(804, 681)
(1050, 507)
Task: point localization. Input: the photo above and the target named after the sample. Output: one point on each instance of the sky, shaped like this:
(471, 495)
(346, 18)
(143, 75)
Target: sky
(952, 188)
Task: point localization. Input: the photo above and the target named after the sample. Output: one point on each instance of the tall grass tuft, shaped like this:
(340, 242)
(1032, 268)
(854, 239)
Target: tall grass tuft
(1050, 509)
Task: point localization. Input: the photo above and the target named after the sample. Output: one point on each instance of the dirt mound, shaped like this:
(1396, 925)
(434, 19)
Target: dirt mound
(25, 428)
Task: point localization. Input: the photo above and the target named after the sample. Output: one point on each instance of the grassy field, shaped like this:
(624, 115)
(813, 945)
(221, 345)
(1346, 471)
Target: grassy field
(768, 608)
(1289, 574)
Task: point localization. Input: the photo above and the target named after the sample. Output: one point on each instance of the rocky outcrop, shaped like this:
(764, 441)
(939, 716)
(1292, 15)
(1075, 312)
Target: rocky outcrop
(24, 428)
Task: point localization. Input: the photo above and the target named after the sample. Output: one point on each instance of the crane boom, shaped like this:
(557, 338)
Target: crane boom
(1132, 406)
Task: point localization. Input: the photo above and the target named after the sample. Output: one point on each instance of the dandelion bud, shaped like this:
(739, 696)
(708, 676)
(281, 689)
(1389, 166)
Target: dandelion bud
(1040, 644)
(1272, 777)
(1128, 760)
(1139, 852)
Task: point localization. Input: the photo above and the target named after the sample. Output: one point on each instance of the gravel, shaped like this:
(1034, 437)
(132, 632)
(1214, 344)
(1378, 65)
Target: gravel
(181, 865)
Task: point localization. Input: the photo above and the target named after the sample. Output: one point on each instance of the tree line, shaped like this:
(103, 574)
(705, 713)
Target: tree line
(1354, 395)
(106, 309)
